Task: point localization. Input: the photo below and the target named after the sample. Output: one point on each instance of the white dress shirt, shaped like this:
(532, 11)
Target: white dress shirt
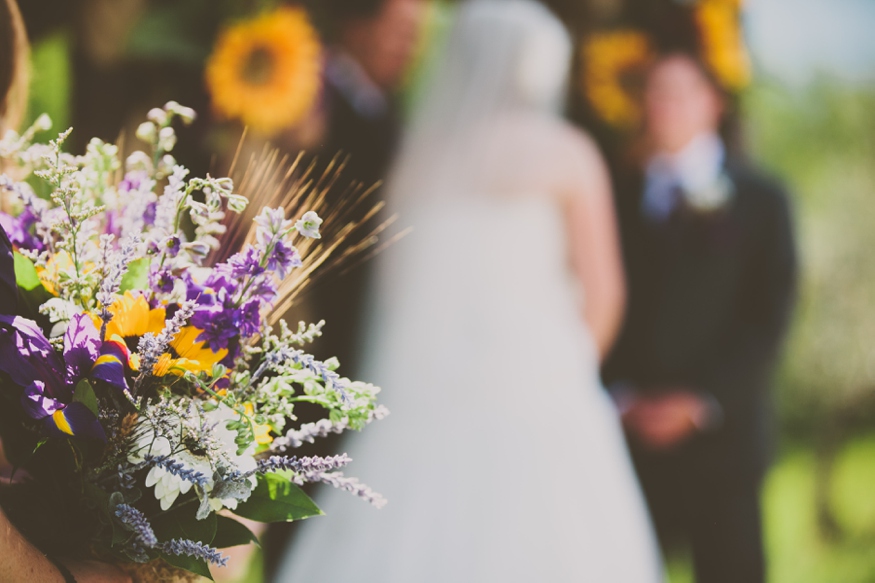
(697, 167)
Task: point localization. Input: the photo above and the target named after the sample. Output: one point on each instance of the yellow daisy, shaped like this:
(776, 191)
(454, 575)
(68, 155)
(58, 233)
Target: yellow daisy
(265, 71)
(608, 58)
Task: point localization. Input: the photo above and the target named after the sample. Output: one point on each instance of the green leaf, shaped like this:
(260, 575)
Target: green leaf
(230, 533)
(84, 394)
(276, 499)
(31, 292)
(197, 566)
(180, 522)
(137, 275)
(25, 273)
(40, 443)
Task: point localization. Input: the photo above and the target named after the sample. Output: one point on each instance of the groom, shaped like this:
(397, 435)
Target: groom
(711, 267)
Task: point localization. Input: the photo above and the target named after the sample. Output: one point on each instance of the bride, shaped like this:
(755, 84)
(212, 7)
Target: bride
(503, 460)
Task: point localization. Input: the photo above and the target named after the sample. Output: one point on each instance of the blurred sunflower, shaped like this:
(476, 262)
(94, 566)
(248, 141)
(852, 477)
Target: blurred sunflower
(723, 47)
(609, 59)
(265, 71)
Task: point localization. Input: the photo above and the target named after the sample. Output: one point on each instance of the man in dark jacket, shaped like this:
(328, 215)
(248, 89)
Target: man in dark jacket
(711, 267)
(372, 45)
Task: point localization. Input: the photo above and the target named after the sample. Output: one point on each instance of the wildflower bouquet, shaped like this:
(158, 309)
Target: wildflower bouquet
(146, 397)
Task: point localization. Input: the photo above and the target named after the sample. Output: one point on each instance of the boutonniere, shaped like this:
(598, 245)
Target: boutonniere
(712, 198)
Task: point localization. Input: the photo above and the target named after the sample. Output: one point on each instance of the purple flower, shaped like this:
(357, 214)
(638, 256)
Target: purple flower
(282, 259)
(171, 246)
(149, 215)
(20, 230)
(249, 318)
(264, 289)
(215, 289)
(48, 380)
(270, 224)
(245, 264)
(191, 548)
(219, 325)
(136, 521)
(132, 181)
(161, 281)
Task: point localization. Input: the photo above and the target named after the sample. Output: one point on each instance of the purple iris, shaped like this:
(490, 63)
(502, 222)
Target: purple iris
(20, 230)
(49, 380)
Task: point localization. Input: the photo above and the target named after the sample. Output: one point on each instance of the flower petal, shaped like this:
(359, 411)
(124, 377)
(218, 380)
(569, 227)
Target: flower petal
(36, 404)
(75, 420)
(81, 346)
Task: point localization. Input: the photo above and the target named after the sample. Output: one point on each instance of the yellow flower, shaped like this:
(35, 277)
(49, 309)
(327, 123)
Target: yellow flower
(265, 71)
(609, 58)
(723, 47)
(188, 354)
(132, 317)
(262, 432)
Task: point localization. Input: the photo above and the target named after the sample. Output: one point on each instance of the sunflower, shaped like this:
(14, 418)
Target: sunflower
(186, 354)
(265, 71)
(723, 47)
(132, 318)
(609, 58)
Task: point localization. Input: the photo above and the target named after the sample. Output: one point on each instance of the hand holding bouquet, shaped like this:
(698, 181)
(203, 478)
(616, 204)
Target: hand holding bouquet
(143, 392)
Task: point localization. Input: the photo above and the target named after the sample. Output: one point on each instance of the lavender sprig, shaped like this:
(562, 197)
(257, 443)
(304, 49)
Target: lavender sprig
(151, 347)
(177, 469)
(351, 485)
(308, 432)
(136, 521)
(194, 549)
(304, 465)
(114, 270)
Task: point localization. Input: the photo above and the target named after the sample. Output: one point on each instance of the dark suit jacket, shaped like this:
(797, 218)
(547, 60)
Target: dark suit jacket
(369, 143)
(710, 297)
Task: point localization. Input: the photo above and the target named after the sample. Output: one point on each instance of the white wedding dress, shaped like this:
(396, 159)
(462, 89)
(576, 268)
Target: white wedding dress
(503, 460)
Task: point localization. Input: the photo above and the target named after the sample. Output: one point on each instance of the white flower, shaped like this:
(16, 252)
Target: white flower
(309, 225)
(157, 115)
(168, 486)
(139, 160)
(43, 123)
(146, 131)
(187, 114)
(237, 203)
(244, 462)
(166, 139)
(60, 312)
(712, 197)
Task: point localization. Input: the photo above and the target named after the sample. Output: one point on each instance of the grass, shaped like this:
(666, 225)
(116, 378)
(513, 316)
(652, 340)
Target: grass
(797, 553)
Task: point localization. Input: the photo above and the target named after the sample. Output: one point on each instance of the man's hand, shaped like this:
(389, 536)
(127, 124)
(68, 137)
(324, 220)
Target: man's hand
(664, 421)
